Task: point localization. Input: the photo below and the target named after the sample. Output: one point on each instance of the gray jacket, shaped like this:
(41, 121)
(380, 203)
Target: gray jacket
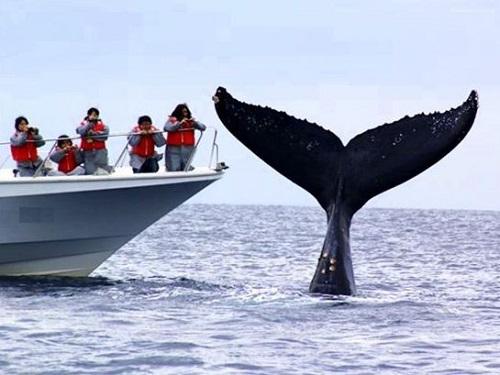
(136, 161)
(85, 130)
(134, 139)
(19, 139)
(60, 153)
(174, 126)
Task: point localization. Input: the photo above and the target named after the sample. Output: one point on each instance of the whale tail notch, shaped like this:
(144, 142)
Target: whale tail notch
(343, 178)
(371, 163)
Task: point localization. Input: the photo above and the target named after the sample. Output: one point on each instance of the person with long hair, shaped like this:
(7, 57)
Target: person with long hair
(23, 146)
(94, 134)
(180, 139)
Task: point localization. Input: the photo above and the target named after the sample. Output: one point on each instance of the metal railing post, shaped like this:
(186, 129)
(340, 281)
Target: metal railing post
(193, 152)
(37, 171)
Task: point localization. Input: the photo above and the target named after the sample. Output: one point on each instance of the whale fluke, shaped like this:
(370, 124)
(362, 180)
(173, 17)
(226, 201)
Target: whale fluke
(343, 178)
(384, 157)
(303, 152)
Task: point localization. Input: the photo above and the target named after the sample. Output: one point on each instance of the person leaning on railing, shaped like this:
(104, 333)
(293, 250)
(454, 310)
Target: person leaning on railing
(23, 146)
(143, 139)
(94, 133)
(180, 139)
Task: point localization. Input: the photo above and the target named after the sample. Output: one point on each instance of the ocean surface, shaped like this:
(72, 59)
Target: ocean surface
(219, 289)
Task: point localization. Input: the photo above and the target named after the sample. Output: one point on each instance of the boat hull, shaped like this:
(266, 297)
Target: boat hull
(72, 233)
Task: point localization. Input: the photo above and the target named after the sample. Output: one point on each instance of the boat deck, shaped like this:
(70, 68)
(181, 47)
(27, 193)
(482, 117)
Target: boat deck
(122, 178)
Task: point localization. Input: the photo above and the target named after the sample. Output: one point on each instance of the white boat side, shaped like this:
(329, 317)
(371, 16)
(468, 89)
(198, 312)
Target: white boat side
(69, 225)
(11, 186)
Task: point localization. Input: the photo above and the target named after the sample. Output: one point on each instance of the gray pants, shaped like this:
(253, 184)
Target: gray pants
(177, 157)
(137, 161)
(78, 171)
(94, 159)
(28, 168)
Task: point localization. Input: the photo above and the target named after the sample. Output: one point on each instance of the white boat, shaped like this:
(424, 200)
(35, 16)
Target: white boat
(69, 225)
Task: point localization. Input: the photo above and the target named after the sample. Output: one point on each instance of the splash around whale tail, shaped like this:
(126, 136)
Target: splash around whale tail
(343, 178)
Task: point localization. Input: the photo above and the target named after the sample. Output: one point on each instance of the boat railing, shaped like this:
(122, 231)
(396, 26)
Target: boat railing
(215, 147)
(120, 161)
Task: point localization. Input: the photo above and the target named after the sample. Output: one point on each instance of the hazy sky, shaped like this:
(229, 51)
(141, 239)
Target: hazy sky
(347, 65)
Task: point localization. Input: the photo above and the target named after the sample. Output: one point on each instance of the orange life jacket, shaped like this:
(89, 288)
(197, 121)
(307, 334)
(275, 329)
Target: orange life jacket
(146, 146)
(25, 152)
(88, 143)
(68, 162)
(183, 137)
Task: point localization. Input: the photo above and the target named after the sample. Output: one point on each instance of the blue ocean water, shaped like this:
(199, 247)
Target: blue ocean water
(219, 289)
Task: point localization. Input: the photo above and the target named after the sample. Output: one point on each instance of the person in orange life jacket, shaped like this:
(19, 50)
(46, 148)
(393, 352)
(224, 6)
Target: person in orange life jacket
(94, 134)
(143, 139)
(68, 157)
(23, 146)
(180, 139)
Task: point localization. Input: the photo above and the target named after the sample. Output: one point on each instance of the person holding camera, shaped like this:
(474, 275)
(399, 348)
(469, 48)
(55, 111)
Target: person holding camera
(94, 133)
(23, 146)
(180, 140)
(143, 139)
(68, 157)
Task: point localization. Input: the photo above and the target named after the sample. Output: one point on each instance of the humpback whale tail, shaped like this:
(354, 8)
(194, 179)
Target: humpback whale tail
(343, 178)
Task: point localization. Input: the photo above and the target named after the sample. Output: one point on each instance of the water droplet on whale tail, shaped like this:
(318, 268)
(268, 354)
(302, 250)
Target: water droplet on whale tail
(344, 177)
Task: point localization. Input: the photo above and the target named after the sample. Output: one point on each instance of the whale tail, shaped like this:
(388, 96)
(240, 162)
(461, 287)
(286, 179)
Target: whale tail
(343, 178)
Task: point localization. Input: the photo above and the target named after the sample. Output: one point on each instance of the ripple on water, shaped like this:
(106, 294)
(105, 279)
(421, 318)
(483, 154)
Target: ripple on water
(223, 289)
